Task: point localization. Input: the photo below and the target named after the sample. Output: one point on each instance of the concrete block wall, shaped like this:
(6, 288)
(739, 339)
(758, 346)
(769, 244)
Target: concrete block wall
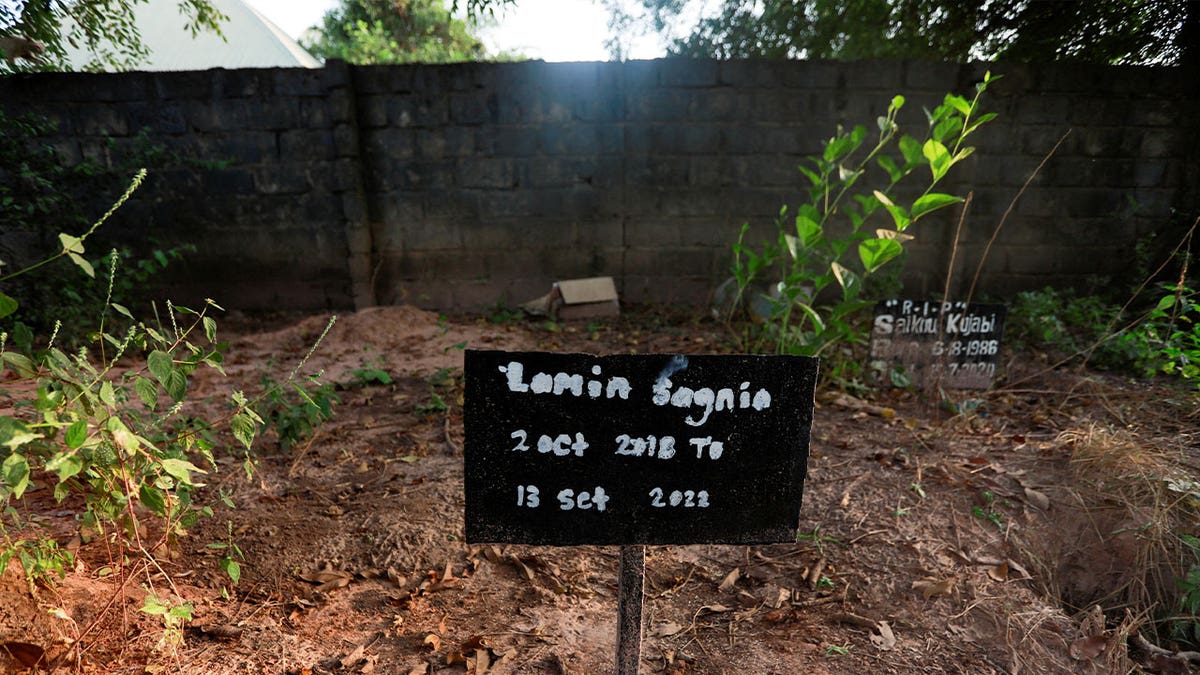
(460, 186)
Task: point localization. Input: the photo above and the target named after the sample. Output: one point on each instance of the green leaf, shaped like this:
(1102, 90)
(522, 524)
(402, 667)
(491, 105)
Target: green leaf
(875, 253)
(1165, 303)
(83, 264)
(107, 396)
(899, 214)
(210, 329)
(897, 102)
(65, 465)
(181, 469)
(76, 435)
(14, 433)
(153, 499)
(808, 230)
(122, 310)
(818, 322)
(932, 202)
(981, 120)
(232, 568)
(810, 175)
(889, 165)
(154, 606)
(911, 149)
(70, 244)
(19, 363)
(7, 305)
(176, 384)
(122, 436)
(183, 611)
(160, 365)
(244, 428)
(15, 472)
(958, 103)
(938, 156)
(147, 390)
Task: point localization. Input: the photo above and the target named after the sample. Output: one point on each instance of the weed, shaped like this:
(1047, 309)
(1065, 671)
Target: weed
(371, 373)
(836, 650)
(295, 409)
(109, 425)
(231, 555)
(436, 404)
(174, 617)
(501, 314)
(986, 510)
(818, 539)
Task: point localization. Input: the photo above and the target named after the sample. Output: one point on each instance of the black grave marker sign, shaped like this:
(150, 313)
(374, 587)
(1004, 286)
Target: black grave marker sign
(568, 449)
(956, 341)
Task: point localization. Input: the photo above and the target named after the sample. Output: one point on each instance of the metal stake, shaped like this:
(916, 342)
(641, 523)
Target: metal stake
(629, 609)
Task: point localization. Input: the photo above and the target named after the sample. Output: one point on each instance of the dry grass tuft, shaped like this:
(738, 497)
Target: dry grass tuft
(1124, 527)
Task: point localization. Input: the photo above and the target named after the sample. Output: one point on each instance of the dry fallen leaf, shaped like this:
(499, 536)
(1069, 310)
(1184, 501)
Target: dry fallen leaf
(667, 629)
(1037, 499)
(932, 587)
(525, 569)
(730, 579)
(28, 655)
(399, 579)
(328, 579)
(422, 669)
(713, 609)
(483, 661)
(998, 572)
(352, 659)
(474, 642)
(1088, 648)
(434, 641)
(886, 639)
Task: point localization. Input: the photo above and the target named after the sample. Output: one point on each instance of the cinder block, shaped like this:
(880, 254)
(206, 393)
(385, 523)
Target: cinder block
(684, 72)
(474, 108)
(298, 82)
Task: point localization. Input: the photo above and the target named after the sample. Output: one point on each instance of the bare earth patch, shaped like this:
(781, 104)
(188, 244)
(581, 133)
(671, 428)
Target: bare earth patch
(929, 541)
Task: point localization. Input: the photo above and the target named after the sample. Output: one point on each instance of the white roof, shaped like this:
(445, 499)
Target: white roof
(251, 40)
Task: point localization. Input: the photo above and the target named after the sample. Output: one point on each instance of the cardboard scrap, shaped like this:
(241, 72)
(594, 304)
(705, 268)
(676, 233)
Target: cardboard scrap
(570, 299)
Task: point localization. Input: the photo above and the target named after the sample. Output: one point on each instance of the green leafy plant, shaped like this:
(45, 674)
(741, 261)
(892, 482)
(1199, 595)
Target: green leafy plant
(819, 540)
(371, 373)
(441, 383)
(296, 408)
(986, 510)
(1168, 340)
(231, 554)
(111, 427)
(808, 284)
(174, 617)
(836, 650)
